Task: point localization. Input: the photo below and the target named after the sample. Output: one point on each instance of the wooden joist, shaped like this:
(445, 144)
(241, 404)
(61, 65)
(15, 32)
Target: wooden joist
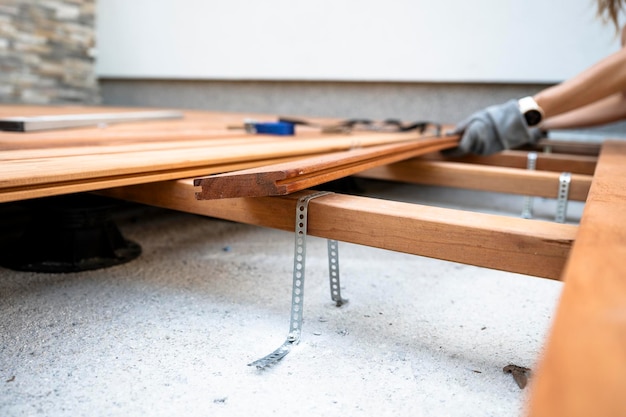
(286, 178)
(510, 244)
(480, 177)
(569, 147)
(583, 368)
(576, 164)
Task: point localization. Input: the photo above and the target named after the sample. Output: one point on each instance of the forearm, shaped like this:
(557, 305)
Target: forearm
(607, 110)
(604, 79)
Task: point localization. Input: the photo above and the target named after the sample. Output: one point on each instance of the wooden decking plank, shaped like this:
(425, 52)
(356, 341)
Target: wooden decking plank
(583, 369)
(36, 164)
(42, 171)
(199, 125)
(68, 187)
(305, 173)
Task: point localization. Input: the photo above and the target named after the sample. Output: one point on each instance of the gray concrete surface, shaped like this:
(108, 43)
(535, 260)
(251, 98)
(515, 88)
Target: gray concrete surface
(172, 332)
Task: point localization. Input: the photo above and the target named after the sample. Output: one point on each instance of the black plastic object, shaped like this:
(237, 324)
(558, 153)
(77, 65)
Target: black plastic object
(69, 234)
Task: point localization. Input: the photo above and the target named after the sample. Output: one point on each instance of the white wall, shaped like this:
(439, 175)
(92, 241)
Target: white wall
(350, 40)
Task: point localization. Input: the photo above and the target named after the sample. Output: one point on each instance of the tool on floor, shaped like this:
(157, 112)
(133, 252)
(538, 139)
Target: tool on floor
(297, 292)
(65, 121)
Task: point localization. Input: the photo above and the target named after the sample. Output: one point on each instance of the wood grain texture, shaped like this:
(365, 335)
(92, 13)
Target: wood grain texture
(45, 163)
(583, 368)
(304, 173)
(570, 147)
(67, 187)
(480, 177)
(576, 164)
(510, 244)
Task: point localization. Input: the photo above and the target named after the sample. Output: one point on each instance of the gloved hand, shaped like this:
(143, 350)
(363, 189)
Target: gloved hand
(492, 130)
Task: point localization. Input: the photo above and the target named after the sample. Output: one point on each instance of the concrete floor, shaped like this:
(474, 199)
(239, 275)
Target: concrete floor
(172, 332)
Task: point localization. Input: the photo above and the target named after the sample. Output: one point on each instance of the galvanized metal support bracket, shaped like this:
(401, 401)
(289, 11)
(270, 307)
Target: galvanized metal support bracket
(562, 198)
(333, 273)
(527, 210)
(297, 291)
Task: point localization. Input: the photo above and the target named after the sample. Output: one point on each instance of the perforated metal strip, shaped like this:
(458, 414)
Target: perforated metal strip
(561, 205)
(527, 210)
(297, 292)
(333, 273)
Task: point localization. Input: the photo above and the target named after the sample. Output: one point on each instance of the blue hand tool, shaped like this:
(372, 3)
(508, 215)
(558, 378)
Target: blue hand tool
(271, 128)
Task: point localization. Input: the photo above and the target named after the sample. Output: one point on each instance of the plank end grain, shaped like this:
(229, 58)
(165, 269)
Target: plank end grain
(252, 184)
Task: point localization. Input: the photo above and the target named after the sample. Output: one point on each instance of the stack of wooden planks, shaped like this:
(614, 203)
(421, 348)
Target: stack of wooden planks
(60, 161)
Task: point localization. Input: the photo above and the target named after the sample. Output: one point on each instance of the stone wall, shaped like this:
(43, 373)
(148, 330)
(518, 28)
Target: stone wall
(46, 52)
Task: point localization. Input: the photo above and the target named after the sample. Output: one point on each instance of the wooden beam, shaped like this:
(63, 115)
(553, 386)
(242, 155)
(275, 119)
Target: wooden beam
(570, 147)
(510, 244)
(286, 178)
(583, 369)
(576, 164)
(484, 178)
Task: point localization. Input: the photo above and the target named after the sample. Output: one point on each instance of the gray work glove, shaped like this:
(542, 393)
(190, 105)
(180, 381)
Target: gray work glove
(492, 130)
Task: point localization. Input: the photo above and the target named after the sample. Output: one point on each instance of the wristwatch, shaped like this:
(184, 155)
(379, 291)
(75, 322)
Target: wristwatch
(533, 114)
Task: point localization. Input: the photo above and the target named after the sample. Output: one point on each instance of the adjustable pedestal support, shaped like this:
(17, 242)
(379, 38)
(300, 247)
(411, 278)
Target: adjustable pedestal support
(70, 233)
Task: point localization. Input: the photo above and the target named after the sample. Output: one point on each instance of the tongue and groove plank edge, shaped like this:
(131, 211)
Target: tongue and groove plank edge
(301, 174)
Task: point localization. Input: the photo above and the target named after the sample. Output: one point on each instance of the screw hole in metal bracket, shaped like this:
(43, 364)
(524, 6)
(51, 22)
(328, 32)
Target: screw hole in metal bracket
(563, 194)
